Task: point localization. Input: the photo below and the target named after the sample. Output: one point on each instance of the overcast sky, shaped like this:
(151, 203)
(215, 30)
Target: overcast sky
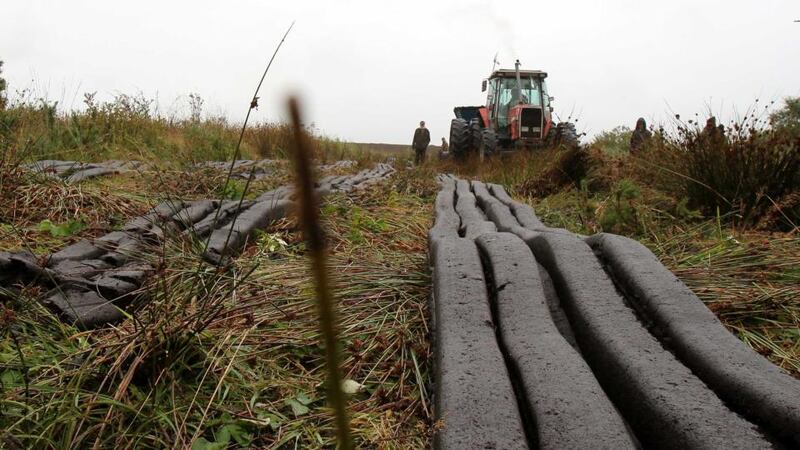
(370, 70)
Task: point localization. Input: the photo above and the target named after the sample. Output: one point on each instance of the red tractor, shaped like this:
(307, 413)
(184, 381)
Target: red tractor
(517, 115)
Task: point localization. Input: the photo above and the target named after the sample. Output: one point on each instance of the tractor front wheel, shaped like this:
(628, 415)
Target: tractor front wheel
(460, 138)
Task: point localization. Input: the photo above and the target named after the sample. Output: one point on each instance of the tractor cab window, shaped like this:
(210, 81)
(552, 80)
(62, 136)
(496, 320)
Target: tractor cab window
(531, 91)
(530, 94)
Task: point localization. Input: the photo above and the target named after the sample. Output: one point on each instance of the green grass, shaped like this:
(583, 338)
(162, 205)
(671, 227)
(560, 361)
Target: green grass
(234, 357)
(130, 127)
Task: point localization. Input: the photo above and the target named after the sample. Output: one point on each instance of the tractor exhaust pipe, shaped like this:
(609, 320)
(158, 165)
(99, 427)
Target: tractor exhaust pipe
(519, 82)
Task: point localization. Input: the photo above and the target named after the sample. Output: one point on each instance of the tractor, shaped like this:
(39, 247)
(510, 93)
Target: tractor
(517, 115)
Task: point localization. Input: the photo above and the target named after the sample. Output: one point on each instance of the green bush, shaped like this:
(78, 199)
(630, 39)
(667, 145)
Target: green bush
(615, 141)
(787, 119)
(619, 215)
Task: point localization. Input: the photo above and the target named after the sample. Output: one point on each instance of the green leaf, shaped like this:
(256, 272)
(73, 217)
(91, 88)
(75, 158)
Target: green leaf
(273, 420)
(298, 408)
(203, 444)
(11, 378)
(223, 436)
(235, 431)
(62, 230)
(303, 398)
(272, 242)
(233, 190)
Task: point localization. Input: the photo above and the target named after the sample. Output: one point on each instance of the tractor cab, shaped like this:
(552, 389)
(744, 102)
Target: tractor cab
(518, 105)
(517, 114)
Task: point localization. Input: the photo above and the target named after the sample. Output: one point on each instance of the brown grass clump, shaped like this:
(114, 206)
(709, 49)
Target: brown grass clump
(574, 168)
(32, 202)
(783, 215)
(747, 169)
(270, 140)
(42, 214)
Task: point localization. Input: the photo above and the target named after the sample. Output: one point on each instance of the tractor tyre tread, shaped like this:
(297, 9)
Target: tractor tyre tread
(475, 130)
(459, 138)
(489, 142)
(566, 135)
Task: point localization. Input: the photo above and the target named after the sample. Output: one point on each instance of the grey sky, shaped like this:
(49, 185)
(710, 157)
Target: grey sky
(370, 70)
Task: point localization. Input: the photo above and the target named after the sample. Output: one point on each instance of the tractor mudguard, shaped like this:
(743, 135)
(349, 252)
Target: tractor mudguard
(470, 112)
(484, 112)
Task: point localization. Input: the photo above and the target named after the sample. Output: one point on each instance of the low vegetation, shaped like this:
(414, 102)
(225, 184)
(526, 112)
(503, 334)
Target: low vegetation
(213, 358)
(130, 127)
(224, 358)
(219, 358)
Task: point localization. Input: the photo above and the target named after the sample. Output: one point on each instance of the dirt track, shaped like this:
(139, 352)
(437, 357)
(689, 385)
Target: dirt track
(652, 365)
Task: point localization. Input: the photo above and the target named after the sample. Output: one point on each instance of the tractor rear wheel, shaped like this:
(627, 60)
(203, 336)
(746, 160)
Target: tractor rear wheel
(475, 135)
(489, 142)
(460, 138)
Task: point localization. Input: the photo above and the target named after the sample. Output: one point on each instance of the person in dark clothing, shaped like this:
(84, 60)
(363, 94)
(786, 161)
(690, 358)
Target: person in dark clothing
(711, 126)
(712, 130)
(444, 151)
(640, 137)
(422, 137)
(713, 134)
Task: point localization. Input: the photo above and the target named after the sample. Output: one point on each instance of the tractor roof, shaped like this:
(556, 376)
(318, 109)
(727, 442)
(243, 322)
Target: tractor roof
(506, 73)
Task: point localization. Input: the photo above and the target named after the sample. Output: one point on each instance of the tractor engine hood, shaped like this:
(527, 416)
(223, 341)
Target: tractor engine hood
(527, 123)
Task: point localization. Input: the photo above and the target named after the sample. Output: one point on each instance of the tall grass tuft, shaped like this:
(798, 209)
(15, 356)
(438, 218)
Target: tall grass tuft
(131, 127)
(748, 168)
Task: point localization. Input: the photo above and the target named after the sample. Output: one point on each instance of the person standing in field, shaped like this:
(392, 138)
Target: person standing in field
(422, 137)
(713, 134)
(640, 136)
(444, 150)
